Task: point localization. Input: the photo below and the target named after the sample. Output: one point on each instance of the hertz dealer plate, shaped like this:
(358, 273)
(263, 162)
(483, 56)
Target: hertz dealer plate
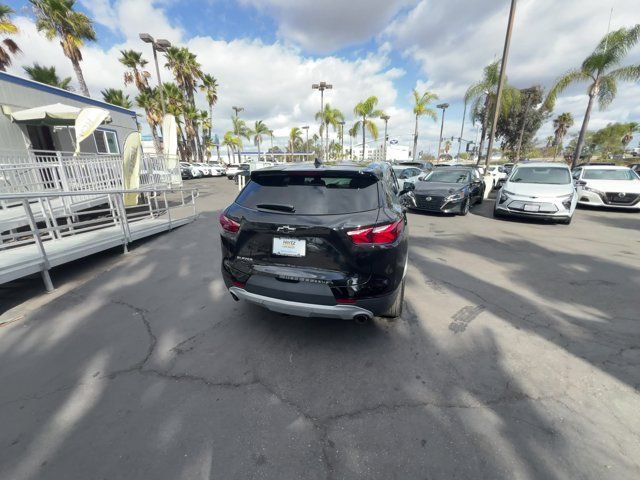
(289, 247)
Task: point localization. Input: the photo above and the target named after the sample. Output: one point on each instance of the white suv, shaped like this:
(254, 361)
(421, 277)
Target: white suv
(538, 189)
(608, 186)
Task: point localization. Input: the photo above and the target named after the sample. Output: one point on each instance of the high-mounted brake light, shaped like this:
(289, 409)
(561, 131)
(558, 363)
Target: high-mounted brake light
(228, 225)
(377, 235)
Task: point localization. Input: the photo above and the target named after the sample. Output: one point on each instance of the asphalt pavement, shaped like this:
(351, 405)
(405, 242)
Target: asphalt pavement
(517, 357)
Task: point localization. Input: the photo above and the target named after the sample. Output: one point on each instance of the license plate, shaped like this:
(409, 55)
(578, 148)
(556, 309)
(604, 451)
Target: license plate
(289, 247)
(531, 208)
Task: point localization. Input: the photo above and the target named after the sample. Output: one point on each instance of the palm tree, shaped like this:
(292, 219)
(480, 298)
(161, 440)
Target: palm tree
(421, 108)
(150, 102)
(482, 96)
(257, 132)
(233, 143)
(175, 106)
(240, 130)
(187, 72)
(329, 117)
(57, 18)
(601, 70)
(627, 137)
(116, 96)
(210, 88)
(136, 63)
(7, 46)
(561, 124)
(353, 133)
(47, 75)
(295, 139)
(366, 109)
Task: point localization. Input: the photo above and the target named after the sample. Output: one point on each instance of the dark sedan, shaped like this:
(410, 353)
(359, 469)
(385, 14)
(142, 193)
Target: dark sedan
(447, 190)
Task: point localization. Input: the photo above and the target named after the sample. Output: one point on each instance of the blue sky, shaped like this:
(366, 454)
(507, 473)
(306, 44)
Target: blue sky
(266, 53)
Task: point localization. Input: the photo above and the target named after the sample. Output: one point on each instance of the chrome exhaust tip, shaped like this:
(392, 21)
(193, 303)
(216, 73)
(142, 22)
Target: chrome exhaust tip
(361, 318)
(234, 296)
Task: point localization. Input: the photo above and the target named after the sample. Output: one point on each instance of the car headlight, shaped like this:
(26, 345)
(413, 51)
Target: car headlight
(504, 195)
(566, 200)
(455, 196)
(593, 190)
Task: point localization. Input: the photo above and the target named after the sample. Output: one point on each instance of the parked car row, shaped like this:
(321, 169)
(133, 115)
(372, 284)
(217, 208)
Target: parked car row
(198, 170)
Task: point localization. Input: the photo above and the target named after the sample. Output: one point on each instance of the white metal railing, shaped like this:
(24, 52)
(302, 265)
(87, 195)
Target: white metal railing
(153, 203)
(41, 171)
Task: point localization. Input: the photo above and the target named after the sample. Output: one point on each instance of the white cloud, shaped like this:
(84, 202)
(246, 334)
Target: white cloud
(328, 25)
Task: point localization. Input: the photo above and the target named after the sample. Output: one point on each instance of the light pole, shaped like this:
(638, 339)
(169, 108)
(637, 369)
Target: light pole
(384, 148)
(306, 145)
(322, 86)
(443, 107)
(237, 110)
(159, 45)
(503, 68)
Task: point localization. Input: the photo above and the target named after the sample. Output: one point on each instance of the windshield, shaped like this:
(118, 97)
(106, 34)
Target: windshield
(542, 175)
(449, 176)
(609, 174)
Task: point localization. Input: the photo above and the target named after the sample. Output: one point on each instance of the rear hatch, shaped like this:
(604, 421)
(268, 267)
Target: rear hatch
(293, 225)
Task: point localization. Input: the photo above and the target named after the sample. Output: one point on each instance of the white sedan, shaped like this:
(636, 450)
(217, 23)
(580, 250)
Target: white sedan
(407, 174)
(608, 186)
(538, 189)
(498, 174)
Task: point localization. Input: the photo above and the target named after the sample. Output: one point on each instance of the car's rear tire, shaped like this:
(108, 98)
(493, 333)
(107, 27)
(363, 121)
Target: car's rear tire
(396, 309)
(464, 208)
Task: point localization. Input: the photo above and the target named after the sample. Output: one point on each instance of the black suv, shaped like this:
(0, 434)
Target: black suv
(318, 241)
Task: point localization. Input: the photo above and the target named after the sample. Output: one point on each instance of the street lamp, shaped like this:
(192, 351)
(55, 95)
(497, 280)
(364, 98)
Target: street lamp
(159, 45)
(322, 86)
(306, 145)
(384, 148)
(443, 107)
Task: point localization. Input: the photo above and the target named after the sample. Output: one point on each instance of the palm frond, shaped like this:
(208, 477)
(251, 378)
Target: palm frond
(562, 83)
(629, 73)
(607, 91)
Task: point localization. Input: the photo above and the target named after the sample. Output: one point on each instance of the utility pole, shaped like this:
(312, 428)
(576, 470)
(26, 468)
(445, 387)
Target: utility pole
(503, 69)
(322, 86)
(443, 107)
(464, 116)
(386, 118)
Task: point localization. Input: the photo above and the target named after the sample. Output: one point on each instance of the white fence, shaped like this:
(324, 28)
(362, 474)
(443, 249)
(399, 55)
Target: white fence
(49, 171)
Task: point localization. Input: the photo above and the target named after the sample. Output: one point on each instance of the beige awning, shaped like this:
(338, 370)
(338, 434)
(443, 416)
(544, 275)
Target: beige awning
(55, 114)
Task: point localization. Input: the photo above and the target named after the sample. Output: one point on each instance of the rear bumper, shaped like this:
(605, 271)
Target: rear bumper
(345, 312)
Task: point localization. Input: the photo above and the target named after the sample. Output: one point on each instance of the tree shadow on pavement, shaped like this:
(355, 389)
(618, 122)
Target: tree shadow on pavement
(151, 370)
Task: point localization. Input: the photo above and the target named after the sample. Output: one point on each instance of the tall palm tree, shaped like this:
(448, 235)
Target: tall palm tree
(187, 73)
(210, 88)
(482, 96)
(47, 75)
(115, 96)
(58, 19)
(150, 102)
(329, 117)
(8, 47)
(295, 139)
(366, 110)
(353, 133)
(240, 130)
(257, 132)
(561, 124)
(601, 71)
(175, 105)
(421, 108)
(136, 74)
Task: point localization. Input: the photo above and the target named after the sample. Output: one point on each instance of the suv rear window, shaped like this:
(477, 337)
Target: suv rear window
(312, 193)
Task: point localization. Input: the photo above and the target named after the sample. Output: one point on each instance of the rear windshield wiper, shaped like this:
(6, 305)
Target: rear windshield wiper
(276, 206)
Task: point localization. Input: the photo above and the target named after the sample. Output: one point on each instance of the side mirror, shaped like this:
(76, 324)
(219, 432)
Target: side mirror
(407, 187)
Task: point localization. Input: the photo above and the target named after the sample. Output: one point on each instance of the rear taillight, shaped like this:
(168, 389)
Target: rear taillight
(377, 235)
(228, 225)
